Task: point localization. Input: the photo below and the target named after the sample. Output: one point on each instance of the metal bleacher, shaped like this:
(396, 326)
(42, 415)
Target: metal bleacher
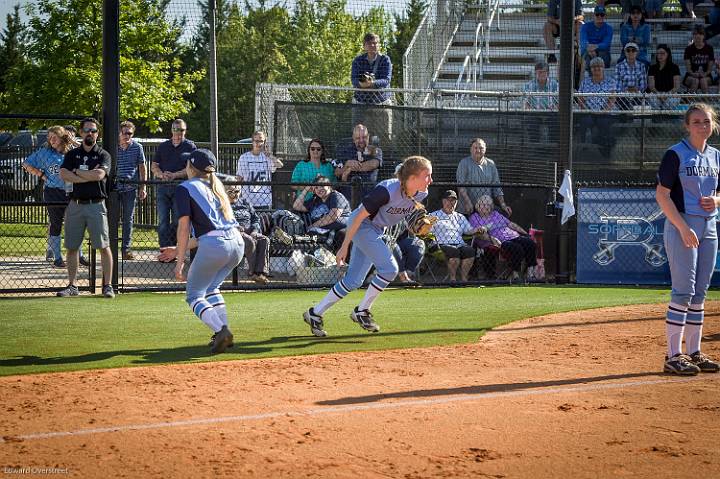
(497, 44)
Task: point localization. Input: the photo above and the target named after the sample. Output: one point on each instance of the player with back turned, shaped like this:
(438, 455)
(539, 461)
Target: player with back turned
(388, 204)
(687, 183)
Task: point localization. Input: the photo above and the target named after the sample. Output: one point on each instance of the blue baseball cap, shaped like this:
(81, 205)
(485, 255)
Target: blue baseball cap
(599, 9)
(202, 159)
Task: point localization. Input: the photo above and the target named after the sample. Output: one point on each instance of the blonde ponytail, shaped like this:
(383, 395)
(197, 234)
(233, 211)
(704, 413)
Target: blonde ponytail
(219, 191)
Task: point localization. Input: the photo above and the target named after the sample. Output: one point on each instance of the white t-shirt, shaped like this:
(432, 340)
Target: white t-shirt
(256, 168)
(450, 228)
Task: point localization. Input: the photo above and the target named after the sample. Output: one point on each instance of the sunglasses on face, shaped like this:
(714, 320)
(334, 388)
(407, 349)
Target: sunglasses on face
(178, 129)
(631, 50)
(599, 14)
(89, 130)
(127, 133)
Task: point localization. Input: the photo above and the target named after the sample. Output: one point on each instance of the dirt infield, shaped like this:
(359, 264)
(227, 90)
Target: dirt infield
(566, 395)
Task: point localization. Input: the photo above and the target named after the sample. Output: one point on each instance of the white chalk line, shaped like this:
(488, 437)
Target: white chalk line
(349, 408)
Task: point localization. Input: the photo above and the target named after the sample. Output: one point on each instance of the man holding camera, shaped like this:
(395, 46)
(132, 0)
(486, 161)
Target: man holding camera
(371, 74)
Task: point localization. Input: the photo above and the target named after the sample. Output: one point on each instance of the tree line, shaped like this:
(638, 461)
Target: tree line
(52, 63)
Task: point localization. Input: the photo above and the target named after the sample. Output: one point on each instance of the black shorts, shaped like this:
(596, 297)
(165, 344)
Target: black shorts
(458, 251)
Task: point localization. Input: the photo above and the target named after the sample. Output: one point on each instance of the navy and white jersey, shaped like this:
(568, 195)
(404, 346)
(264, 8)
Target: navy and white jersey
(689, 175)
(387, 205)
(195, 199)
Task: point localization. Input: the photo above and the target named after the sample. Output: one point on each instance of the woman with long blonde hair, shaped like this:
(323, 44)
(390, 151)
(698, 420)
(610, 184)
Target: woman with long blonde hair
(389, 203)
(203, 204)
(45, 164)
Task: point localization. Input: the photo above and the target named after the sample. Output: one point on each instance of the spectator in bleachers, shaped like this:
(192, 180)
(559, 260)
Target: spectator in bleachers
(372, 71)
(359, 159)
(626, 5)
(515, 243)
(631, 76)
(635, 30)
(653, 8)
(449, 231)
(595, 38)
(541, 84)
(480, 170)
(167, 165)
(328, 210)
(597, 83)
(687, 8)
(714, 21)
(257, 165)
(551, 30)
(664, 77)
(257, 245)
(314, 164)
(699, 61)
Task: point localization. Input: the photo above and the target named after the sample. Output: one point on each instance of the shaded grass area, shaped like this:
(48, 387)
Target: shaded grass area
(52, 334)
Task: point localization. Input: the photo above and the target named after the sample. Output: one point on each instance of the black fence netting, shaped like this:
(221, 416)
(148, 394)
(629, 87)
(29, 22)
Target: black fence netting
(291, 235)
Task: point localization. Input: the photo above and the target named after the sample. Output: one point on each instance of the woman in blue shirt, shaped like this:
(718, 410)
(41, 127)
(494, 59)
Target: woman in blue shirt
(45, 164)
(637, 31)
(687, 183)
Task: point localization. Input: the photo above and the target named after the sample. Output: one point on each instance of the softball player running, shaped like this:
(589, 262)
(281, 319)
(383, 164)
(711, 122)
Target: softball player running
(203, 205)
(386, 205)
(687, 194)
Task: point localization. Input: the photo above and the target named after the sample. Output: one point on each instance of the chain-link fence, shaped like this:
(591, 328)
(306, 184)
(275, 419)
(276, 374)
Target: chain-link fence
(291, 242)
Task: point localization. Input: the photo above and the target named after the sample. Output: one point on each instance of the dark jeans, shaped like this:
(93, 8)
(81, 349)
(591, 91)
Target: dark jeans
(167, 216)
(519, 249)
(408, 253)
(127, 212)
(56, 214)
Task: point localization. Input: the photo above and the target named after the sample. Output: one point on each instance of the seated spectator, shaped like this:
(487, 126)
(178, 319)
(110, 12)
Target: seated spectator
(314, 164)
(516, 248)
(480, 170)
(699, 62)
(408, 251)
(687, 8)
(664, 77)
(714, 21)
(358, 159)
(595, 39)
(596, 83)
(551, 30)
(257, 245)
(635, 30)
(654, 8)
(257, 165)
(328, 210)
(630, 76)
(541, 84)
(449, 231)
(626, 5)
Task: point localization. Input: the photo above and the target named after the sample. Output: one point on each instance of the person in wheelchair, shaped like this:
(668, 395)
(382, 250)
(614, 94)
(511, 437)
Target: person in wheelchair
(515, 244)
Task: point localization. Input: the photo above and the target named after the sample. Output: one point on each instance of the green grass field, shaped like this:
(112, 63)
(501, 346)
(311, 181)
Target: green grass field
(40, 335)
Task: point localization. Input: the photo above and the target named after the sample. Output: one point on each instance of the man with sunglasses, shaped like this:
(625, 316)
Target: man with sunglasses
(595, 39)
(130, 166)
(167, 165)
(87, 167)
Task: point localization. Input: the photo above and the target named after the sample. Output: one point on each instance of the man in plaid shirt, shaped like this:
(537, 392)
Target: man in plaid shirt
(630, 75)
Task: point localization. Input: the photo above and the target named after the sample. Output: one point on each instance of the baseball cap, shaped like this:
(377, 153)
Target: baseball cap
(599, 9)
(541, 66)
(202, 159)
(449, 194)
(631, 45)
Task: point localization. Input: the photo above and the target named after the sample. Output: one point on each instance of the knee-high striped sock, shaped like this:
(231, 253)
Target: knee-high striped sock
(336, 293)
(674, 325)
(218, 303)
(377, 286)
(693, 327)
(207, 314)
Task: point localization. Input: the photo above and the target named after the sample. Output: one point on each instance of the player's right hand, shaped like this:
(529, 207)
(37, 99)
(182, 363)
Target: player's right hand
(341, 255)
(690, 239)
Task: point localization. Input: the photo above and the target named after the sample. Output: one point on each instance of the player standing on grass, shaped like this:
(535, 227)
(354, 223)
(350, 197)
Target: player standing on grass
(390, 202)
(687, 194)
(203, 205)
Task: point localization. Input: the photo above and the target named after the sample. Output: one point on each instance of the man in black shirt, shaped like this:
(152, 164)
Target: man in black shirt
(87, 167)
